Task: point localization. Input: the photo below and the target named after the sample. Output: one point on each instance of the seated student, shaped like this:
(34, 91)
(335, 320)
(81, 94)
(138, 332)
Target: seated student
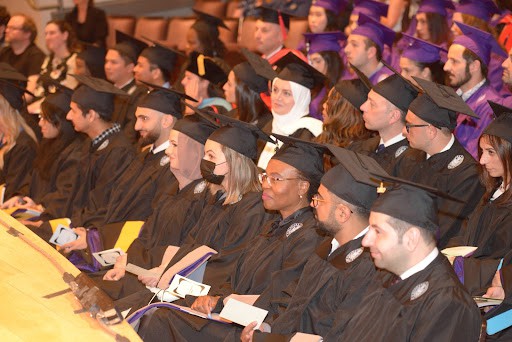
(146, 181)
(337, 274)
(278, 254)
(323, 54)
(365, 46)
(489, 226)
(203, 80)
(54, 173)
(384, 112)
(291, 97)
(235, 215)
(18, 141)
(203, 35)
(437, 158)
(420, 297)
(156, 65)
(343, 121)
(272, 27)
(91, 61)
(172, 217)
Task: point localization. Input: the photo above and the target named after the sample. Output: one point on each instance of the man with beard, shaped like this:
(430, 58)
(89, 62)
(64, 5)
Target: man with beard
(146, 181)
(507, 78)
(467, 65)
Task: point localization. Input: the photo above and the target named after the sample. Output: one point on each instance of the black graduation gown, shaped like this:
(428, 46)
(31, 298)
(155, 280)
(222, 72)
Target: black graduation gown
(454, 172)
(101, 166)
(430, 305)
(169, 223)
(387, 157)
(143, 183)
(125, 107)
(56, 194)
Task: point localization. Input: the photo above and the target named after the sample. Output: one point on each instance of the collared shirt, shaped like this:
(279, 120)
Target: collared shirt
(394, 140)
(128, 86)
(335, 244)
(160, 148)
(420, 266)
(447, 147)
(116, 128)
(465, 96)
(270, 55)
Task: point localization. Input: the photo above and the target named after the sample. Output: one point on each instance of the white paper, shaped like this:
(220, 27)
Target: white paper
(108, 257)
(302, 337)
(482, 301)
(63, 235)
(458, 251)
(181, 287)
(243, 314)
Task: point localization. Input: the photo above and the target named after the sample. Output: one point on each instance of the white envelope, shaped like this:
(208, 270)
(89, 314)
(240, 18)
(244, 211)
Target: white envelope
(108, 257)
(63, 235)
(181, 287)
(243, 314)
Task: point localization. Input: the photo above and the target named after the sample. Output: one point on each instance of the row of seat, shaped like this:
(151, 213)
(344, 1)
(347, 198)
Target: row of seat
(172, 31)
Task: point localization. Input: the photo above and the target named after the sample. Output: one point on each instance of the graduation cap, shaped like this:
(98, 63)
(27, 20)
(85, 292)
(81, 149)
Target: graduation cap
(273, 16)
(195, 127)
(483, 9)
(396, 89)
(335, 6)
(260, 65)
(481, 43)
(325, 41)
(238, 135)
(129, 46)
(366, 81)
(163, 100)
(209, 19)
(94, 58)
(502, 125)
(422, 211)
(352, 180)
(294, 69)
(375, 31)
(420, 50)
(163, 56)
(370, 8)
(96, 93)
(439, 105)
(206, 67)
(354, 91)
(435, 6)
(59, 97)
(245, 73)
(12, 86)
(305, 156)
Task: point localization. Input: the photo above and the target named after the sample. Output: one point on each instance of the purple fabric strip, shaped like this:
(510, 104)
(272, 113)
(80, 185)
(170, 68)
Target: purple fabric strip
(189, 269)
(458, 266)
(94, 245)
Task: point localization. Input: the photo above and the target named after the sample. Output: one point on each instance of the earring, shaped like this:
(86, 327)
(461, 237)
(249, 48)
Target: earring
(300, 196)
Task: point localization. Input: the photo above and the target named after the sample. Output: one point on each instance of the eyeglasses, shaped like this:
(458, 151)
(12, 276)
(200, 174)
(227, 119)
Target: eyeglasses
(315, 200)
(14, 28)
(409, 126)
(263, 177)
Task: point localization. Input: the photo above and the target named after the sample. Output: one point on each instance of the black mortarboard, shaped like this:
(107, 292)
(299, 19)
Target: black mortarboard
(163, 56)
(274, 16)
(96, 93)
(60, 97)
(351, 179)
(12, 86)
(501, 126)
(206, 67)
(237, 135)
(245, 73)
(354, 91)
(411, 202)
(305, 156)
(362, 76)
(294, 69)
(129, 46)
(195, 127)
(439, 105)
(210, 19)
(260, 65)
(94, 58)
(396, 89)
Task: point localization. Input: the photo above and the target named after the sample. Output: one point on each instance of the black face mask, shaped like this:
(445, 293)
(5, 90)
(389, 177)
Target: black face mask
(207, 168)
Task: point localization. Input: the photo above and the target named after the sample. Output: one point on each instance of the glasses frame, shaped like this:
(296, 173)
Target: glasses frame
(408, 126)
(271, 180)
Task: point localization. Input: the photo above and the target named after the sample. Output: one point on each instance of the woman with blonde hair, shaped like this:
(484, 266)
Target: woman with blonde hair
(18, 140)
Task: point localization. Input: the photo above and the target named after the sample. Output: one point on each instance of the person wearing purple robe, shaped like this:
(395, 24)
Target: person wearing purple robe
(365, 47)
(507, 79)
(468, 59)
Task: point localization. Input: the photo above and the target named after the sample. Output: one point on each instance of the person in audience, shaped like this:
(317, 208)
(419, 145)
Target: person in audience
(22, 53)
(54, 176)
(432, 21)
(156, 65)
(370, 8)
(18, 142)
(203, 35)
(88, 22)
(507, 78)
(91, 61)
(323, 54)
(466, 68)
(272, 26)
(203, 80)
(5, 16)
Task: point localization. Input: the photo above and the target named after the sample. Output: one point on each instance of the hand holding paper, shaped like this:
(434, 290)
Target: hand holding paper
(242, 313)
